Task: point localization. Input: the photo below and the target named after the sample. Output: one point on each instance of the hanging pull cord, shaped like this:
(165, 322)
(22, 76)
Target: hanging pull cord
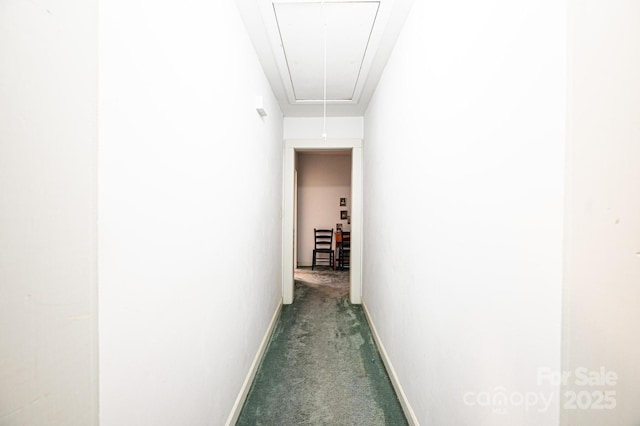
(324, 114)
(324, 98)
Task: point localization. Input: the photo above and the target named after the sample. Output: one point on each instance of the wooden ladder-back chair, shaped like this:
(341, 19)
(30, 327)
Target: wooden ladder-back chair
(323, 247)
(344, 251)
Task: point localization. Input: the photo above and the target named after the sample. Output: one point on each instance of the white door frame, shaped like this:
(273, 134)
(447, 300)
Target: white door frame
(355, 269)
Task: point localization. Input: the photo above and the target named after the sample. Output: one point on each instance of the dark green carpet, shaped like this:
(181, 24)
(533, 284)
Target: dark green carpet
(321, 368)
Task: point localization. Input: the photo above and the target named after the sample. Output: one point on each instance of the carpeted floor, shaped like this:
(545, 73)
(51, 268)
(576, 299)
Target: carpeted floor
(321, 366)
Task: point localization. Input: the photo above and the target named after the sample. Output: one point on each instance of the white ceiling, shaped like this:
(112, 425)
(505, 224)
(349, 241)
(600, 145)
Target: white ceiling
(289, 37)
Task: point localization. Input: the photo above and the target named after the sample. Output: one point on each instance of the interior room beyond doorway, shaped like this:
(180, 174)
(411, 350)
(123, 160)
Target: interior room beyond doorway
(323, 202)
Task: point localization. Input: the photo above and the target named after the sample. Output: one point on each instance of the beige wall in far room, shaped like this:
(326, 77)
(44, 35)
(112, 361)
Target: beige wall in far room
(322, 180)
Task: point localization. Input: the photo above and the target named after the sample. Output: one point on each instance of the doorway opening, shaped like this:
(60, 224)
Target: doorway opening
(322, 219)
(322, 189)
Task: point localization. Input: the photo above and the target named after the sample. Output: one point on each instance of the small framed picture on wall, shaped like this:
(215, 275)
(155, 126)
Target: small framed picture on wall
(338, 227)
(343, 202)
(343, 214)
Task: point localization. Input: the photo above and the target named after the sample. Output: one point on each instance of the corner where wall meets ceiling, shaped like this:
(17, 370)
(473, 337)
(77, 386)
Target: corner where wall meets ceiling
(289, 38)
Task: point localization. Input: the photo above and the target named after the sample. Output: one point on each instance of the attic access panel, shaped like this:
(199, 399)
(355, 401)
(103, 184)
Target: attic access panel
(301, 27)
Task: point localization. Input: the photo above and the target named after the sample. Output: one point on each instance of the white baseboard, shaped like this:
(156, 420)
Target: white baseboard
(248, 381)
(404, 402)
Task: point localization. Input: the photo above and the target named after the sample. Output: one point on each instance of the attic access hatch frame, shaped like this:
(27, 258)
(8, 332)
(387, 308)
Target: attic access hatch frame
(352, 26)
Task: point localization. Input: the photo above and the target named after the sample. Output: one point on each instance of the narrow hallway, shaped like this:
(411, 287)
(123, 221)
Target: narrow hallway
(322, 365)
(483, 155)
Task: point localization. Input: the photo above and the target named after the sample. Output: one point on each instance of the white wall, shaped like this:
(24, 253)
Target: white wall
(602, 265)
(322, 180)
(312, 127)
(464, 157)
(48, 187)
(190, 211)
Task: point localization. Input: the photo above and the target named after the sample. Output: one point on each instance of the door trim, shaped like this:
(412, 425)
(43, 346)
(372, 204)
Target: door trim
(355, 270)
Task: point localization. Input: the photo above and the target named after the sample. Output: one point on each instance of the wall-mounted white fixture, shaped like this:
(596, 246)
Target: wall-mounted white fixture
(260, 106)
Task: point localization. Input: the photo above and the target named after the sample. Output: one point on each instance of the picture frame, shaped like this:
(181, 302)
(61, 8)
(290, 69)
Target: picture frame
(344, 214)
(338, 227)
(343, 202)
